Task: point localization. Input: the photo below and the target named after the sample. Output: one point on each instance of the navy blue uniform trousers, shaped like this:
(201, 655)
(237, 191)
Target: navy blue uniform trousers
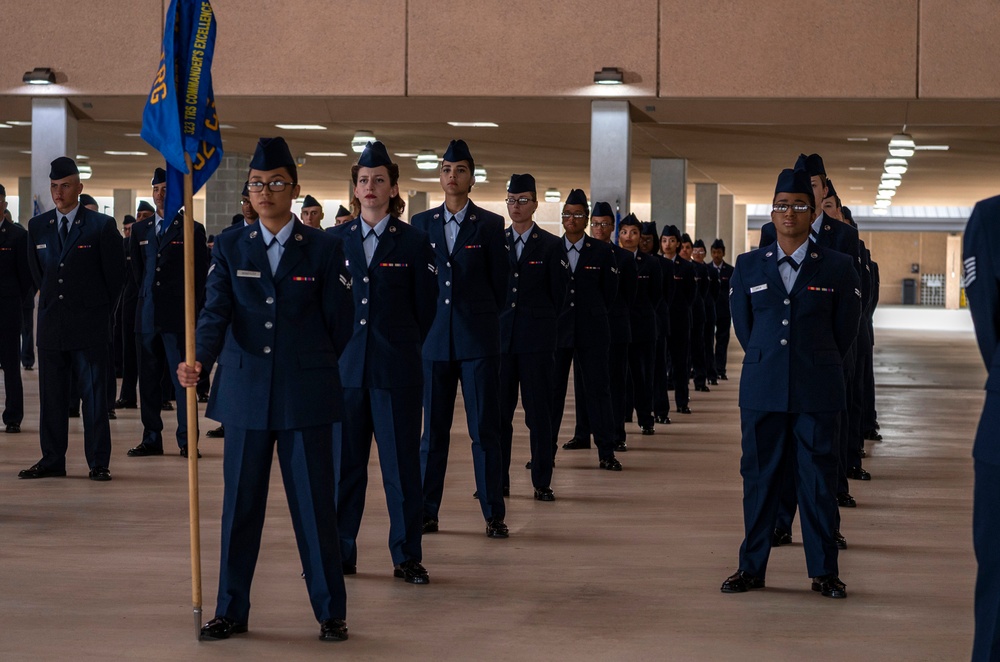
(533, 373)
(10, 361)
(306, 459)
(591, 363)
(480, 389)
(392, 415)
(158, 350)
(618, 369)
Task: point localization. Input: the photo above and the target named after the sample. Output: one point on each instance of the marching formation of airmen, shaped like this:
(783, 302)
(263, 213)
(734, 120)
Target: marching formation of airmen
(323, 340)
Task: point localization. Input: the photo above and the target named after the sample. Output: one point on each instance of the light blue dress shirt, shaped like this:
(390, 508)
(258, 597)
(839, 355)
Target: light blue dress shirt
(277, 248)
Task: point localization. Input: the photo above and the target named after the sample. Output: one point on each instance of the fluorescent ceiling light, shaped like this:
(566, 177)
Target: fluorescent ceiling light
(18, 123)
(406, 155)
(133, 135)
(883, 202)
(325, 154)
(5, 126)
(857, 188)
(895, 166)
(478, 125)
(609, 76)
(932, 148)
(425, 179)
(227, 126)
(480, 173)
(81, 156)
(112, 152)
(857, 140)
(361, 140)
(902, 140)
(86, 172)
(25, 151)
(891, 177)
(901, 152)
(886, 192)
(39, 76)
(552, 195)
(301, 127)
(880, 211)
(890, 183)
(857, 168)
(427, 160)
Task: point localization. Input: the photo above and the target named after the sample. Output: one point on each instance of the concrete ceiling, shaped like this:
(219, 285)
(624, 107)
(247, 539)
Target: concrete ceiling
(740, 145)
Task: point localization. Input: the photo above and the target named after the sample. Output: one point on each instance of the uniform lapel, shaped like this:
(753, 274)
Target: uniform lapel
(770, 268)
(386, 242)
(467, 229)
(257, 251)
(293, 252)
(75, 230)
(530, 247)
(438, 241)
(354, 247)
(170, 234)
(808, 268)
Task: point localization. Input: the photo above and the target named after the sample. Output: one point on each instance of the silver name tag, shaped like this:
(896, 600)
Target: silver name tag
(39, 246)
(144, 242)
(758, 288)
(243, 273)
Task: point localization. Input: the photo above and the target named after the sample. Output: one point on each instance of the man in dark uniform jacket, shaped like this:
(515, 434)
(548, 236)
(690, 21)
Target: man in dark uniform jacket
(723, 321)
(15, 283)
(602, 227)
(76, 259)
(661, 370)
(642, 321)
(312, 212)
(157, 251)
(528, 328)
(679, 343)
(697, 362)
(584, 332)
(981, 256)
(395, 290)
(795, 307)
(277, 316)
(711, 295)
(464, 342)
(126, 312)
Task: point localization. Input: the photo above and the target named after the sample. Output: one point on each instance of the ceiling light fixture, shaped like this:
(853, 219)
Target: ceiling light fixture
(86, 172)
(476, 125)
(427, 160)
(857, 140)
(895, 166)
(552, 195)
(360, 140)
(932, 148)
(325, 154)
(39, 76)
(901, 145)
(301, 127)
(880, 211)
(117, 153)
(883, 202)
(886, 192)
(609, 76)
(5, 126)
(480, 174)
(18, 123)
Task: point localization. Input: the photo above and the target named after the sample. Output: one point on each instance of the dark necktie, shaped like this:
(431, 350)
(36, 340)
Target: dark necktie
(518, 247)
(813, 234)
(370, 247)
(63, 230)
(792, 263)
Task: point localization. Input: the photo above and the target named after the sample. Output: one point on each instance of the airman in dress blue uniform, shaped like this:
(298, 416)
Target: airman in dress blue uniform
(529, 331)
(128, 394)
(679, 343)
(642, 321)
(15, 283)
(156, 252)
(711, 277)
(795, 308)
(464, 342)
(723, 320)
(277, 316)
(76, 260)
(395, 292)
(659, 247)
(981, 257)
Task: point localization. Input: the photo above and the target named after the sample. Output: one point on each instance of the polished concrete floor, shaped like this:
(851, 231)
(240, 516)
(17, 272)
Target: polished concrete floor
(622, 566)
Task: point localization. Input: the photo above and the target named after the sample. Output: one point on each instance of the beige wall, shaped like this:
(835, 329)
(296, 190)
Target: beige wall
(959, 49)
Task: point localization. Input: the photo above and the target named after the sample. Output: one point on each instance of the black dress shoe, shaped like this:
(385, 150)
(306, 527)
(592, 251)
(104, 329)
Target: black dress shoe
(100, 474)
(411, 572)
(703, 389)
(37, 471)
(495, 528)
(684, 410)
(334, 629)
(167, 406)
(203, 397)
(662, 420)
(145, 450)
(13, 428)
(576, 444)
(220, 628)
(527, 465)
(544, 494)
(112, 416)
(873, 435)
(647, 431)
(184, 452)
(830, 586)
(621, 447)
(741, 582)
(126, 404)
(779, 538)
(713, 382)
(29, 367)
(430, 525)
(864, 453)
(841, 540)
(217, 433)
(857, 473)
(723, 377)
(845, 500)
(611, 464)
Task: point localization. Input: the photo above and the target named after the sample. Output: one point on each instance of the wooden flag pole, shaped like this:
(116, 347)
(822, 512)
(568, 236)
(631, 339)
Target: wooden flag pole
(192, 394)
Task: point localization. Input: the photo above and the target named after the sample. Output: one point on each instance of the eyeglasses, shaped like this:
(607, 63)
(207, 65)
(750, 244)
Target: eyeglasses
(518, 201)
(602, 224)
(798, 209)
(578, 217)
(275, 187)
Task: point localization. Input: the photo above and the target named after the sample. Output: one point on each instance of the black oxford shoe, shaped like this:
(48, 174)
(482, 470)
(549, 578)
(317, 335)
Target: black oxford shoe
(13, 428)
(648, 430)
(100, 474)
(126, 404)
(741, 582)
(495, 528)
(37, 471)
(857, 473)
(576, 444)
(703, 389)
(145, 450)
(684, 410)
(830, 586)
(845, 500)
(611, 464)
(411, 572)
(112, 416)
(217, 433)
(621, 447)
(713, 382)
(662, 420)
(203, 397)
(544, 494)
(430, 525)
(527, 465)
(723, 377)
(780, 538)
(184, 452)
(220, 628)
(334, 629)
(840, 540)
(873, 435)
(167, 406)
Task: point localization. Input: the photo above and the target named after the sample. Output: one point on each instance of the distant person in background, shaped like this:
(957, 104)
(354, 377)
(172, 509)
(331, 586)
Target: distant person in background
(15, 280)
(312, 212)
(343, 215)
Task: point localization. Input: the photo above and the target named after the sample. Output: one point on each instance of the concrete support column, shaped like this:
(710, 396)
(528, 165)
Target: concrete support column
(223, 192)
(953, 272)
(727, 205)
(611, 154)
(739, 233)
(706, 211)
(668, 192)
(25, 204)
(416, 202)
(53, 134)
(124, 203)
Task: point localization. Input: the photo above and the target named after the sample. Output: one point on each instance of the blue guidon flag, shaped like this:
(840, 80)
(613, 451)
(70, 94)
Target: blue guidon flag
(180, 115)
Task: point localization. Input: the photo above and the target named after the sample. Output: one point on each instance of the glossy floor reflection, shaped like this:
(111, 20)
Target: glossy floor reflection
(621, 566)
